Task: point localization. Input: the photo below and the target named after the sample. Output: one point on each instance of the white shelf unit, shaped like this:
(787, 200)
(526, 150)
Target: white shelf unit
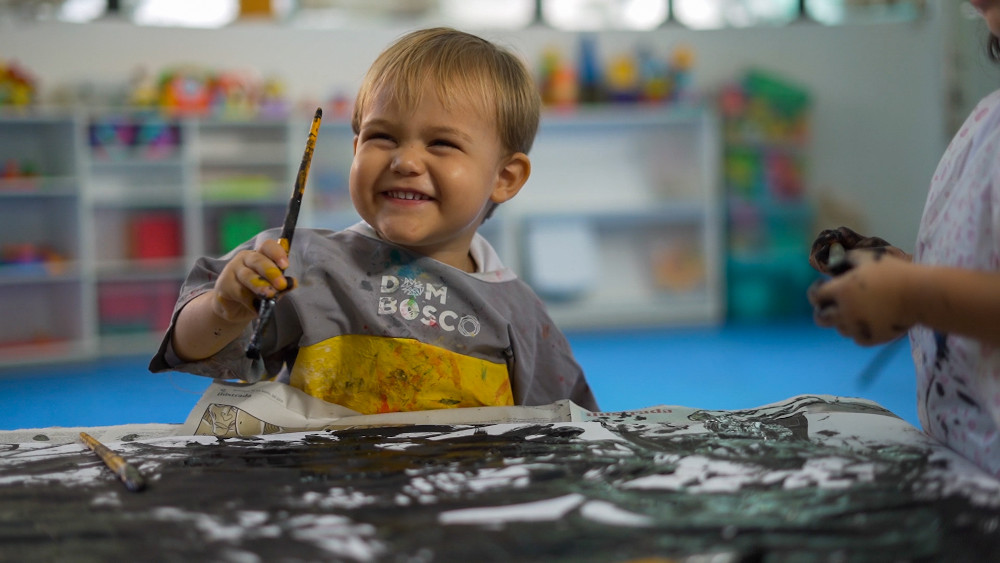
(136, 184)
(621, 223)
(244, 176)
(625, 198)
(44, 278)
(209, 185)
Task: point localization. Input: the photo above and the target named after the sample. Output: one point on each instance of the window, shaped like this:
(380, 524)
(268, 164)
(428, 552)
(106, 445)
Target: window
(592, 15)
(569, 15)
(186, 13)
(835, 12)
(716, 14)
(509, 14)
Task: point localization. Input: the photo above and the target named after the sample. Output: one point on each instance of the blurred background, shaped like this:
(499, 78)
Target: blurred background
(689, 152)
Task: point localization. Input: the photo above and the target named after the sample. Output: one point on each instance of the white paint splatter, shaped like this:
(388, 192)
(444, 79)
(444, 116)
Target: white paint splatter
(71, 477)
(337, 497)
(699, 474)
(540, 511)
(338, 535)
(108, 499)
(607, 513)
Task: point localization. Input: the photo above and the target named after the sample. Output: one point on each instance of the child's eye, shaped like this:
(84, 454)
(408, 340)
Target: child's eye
(443, 143)
(377, 136)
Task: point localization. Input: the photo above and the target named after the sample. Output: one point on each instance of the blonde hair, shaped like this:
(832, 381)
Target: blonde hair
(456, 64)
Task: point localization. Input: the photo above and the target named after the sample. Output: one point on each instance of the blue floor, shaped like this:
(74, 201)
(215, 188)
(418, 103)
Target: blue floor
(729, 367)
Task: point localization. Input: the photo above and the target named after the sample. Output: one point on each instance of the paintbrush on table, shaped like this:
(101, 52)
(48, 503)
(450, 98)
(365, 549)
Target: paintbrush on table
(266, 307)
(128, 474)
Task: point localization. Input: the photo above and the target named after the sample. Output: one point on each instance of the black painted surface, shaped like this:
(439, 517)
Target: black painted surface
(379, 494)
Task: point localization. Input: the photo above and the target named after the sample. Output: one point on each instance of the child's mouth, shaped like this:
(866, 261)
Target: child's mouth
(407, 195)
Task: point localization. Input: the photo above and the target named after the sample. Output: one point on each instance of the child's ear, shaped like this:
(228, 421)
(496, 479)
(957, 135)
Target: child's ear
(355, 145)
(511, 177)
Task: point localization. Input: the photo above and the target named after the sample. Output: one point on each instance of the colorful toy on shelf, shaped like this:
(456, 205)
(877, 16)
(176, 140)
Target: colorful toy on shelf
(590, 81)
(681, 69)
(186, 91)
(18, 175)
(129, 307)
(226, 94)
(239, 226)
(629, 77)
(233, 95)
(732, 101)
(111, 138)
(17, 86)
(785, 176)
(142, 90)
(677, 264)
(156, 139)
(654, 77)
(339, 106)
(558, 80)
(623, 79)
(14, 169)
(743, 173)
(273, 99)
(763, 107)
(155, 235)
(31, 257)
(147, 137)
(765, 127)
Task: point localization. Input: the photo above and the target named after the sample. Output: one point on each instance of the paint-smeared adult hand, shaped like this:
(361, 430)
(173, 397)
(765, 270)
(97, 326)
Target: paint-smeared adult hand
(823, 256)
(868, 302)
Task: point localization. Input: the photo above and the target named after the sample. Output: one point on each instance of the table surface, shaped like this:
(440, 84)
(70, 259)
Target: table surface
(775, 486)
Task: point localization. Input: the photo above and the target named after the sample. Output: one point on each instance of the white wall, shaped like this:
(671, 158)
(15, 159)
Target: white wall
(880, 118)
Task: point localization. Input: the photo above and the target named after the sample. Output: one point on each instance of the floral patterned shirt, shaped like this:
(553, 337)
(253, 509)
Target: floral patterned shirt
(958, 378)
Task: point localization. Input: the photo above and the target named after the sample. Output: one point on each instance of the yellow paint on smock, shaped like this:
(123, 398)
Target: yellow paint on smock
(372, 374)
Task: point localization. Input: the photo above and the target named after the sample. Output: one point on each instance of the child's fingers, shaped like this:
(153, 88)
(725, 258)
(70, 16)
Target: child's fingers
(824, 306)
(261, 273)
(822, 254)
(244, 278)
(262, 280)
(276, 252)
(820, 250)
(863, 256)
(258, 285)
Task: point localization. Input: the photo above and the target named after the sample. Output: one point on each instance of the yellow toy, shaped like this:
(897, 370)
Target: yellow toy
(17, 86)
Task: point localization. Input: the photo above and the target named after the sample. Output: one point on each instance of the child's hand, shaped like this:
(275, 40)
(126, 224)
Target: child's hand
(868, 301)
(847, 239)
(250, 275)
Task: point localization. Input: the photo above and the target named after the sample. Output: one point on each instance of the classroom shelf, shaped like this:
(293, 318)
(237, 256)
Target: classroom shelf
(766, 124)
(125, 202)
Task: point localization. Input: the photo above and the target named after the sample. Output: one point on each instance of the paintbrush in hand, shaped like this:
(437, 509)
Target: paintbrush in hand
(266, 308)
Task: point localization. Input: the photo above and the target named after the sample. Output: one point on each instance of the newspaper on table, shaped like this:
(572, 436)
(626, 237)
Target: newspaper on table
(238, 409)
(231, 409)
(235, 409)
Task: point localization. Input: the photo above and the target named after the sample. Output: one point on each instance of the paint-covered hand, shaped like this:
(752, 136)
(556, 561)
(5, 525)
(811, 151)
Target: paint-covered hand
(249, 276)
(868, 302)
(824, 255)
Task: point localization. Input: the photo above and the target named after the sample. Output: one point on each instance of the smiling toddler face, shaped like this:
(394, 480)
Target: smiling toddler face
(425, 172)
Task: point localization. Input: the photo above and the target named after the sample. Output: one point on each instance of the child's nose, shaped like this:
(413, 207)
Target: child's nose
(407, 160)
